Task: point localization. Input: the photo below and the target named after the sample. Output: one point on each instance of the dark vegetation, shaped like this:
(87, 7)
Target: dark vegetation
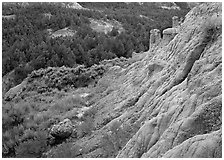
(63, 77)
(25, 124)
(28, 116)
(23, 136)
(27, 46)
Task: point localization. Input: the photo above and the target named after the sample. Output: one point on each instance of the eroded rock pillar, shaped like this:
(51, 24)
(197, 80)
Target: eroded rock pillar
(175, 22)
(169, 34)
(155, 37)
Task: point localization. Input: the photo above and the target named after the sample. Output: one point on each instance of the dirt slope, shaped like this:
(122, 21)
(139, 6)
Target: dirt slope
(169, 100)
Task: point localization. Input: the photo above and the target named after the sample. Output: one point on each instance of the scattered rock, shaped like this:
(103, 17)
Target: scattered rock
(84, 95)
(8, 17)
(15, 91)
(62, 130)
(82, 111)
(65, 32)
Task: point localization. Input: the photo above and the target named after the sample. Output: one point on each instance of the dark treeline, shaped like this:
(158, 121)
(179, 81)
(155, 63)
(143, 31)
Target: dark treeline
(26, 44)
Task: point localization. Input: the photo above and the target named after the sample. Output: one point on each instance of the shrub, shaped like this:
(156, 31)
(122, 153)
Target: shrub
(90, 113)
(72, 115)
(28, 134)
(20, 131)
(86, 127)
(64, 78)
(67, 104)
(12, 127)
(33, 148)
(12, 116)
(65, 150)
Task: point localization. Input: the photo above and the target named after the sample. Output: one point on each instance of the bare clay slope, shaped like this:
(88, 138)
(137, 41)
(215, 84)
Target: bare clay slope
(168, 102)
(187, 103)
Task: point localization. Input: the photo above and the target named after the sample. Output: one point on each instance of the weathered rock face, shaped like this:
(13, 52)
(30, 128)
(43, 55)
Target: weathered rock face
(155, 37)
(8, 82)
(200, 146)
(15, 91)
(8, 17)
(168, 103)
(175, 21)
(193, 4)
(169, 34)
(186, 100)
(62, 130)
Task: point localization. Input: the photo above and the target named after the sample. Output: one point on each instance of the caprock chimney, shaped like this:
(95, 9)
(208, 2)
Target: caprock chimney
(155, 37)
(175, 22)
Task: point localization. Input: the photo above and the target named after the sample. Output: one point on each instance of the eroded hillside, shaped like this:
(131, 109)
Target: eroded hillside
(166, 102)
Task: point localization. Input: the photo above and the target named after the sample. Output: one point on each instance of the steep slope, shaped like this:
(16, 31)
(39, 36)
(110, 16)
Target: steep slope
(186, 99)
(166, 103)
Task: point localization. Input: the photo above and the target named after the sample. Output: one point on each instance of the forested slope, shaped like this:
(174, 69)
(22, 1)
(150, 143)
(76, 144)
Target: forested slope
(28, 28)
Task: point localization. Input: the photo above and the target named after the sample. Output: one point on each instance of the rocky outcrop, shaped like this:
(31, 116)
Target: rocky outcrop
(184, 107)
(9, 17)
(65, 32)
(168, 34)
(167, 5)
(201, 146)
(47, 15)
(73, 5)
(193, 4)
(175, 22)
(155, 37)
(8, 82)
(107, 26)
(62, 130)
(15, 91)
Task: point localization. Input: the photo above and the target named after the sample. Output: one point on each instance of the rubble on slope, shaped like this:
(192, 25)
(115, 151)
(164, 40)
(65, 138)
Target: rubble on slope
(105, 26)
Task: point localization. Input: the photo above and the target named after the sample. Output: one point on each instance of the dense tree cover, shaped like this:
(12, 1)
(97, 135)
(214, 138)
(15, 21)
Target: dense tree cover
(129, 14)
(27, 46)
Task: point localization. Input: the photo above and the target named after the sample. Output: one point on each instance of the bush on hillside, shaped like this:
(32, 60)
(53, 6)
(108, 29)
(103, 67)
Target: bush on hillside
(33, 148)
(212, 28)
(85, 128)
(64, 150)
(63, 77)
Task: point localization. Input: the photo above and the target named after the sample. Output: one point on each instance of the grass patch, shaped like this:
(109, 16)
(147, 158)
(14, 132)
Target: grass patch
(68, 103)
